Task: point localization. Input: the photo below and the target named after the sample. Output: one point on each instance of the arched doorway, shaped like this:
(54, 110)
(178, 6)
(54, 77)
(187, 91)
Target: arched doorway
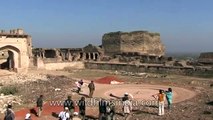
(10, 58)
(9, 61)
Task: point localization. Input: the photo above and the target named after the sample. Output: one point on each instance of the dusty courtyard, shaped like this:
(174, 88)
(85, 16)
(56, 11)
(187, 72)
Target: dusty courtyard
(193, 97)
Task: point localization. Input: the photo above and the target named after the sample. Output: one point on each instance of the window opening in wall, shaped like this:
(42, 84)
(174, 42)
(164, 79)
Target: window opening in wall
(50, 54)
(91, 54)
(87, 56)
(96, 56)
(81, 55)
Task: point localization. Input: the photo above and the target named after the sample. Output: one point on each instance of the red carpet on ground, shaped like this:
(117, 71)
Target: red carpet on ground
(108, 80)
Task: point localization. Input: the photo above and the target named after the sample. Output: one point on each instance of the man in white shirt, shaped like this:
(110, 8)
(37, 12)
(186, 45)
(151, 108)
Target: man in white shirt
(64, 115)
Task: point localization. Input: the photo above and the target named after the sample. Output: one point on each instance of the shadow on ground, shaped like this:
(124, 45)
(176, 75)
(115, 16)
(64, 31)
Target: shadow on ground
(33, 111)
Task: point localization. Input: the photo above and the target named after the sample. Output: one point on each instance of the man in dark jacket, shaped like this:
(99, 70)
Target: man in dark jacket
(91, 88)
(70, 104)
(39, 103)
(9, 114)
(82, 107)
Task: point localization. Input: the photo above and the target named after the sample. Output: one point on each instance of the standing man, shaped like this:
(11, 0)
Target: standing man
(39, 103)
(91, 88)
(69, 103)
(82, 108)
(160, 97)
(9, 114)
(127, 107)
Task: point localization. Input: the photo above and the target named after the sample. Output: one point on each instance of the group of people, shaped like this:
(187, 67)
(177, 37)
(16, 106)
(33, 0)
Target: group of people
(106, 108)
(161, 100)
(69, 107)
(91, 87)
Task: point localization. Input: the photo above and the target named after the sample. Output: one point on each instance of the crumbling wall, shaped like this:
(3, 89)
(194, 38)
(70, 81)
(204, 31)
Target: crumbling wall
(20, 46)
(206, 58)
(153, 68)
(142, 42)
(111, 43)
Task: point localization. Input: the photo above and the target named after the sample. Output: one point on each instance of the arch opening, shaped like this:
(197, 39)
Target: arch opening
(10, 58)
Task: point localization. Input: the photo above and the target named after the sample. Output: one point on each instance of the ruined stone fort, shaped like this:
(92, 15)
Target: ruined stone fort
(137, 51)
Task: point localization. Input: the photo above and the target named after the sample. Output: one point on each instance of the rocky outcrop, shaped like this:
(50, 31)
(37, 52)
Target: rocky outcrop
(142, 42)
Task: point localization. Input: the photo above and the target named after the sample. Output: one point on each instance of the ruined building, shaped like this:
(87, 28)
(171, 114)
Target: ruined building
(138, 51)
(206, 58)
(59, 58)
(17, 53)
(15, 50)
(139, 42)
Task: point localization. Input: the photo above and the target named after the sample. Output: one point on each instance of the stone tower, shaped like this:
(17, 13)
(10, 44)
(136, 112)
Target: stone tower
(142, 42)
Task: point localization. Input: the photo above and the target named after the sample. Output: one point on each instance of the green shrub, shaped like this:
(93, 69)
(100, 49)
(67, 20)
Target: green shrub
(7, 90)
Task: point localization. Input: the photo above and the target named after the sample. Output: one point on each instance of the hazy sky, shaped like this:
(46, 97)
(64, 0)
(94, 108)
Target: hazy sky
(184, 25)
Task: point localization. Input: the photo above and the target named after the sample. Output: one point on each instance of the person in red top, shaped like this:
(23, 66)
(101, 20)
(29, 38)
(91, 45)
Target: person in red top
(160, 97)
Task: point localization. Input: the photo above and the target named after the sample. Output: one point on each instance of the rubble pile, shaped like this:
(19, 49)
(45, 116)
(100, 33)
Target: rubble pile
(55, 88)
(30, 86)
(21, 78)
(8, 99)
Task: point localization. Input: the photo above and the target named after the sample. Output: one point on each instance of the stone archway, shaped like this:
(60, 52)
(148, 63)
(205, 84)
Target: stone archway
(13, 60)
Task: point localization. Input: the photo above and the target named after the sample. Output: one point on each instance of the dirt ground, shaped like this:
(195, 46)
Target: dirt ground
(193, 97)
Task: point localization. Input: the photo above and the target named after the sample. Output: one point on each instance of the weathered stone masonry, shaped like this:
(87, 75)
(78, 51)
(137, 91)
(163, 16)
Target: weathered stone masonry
(142, 42)
(15, 49)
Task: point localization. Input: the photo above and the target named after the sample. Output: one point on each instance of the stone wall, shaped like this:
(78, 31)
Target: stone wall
(59, 58)
(51, 55)
(60, 66)
(155, 68)
(111, 43)
(142, 42)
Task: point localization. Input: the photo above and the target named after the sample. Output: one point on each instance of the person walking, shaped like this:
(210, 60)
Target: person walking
(82, 108)
(39, 103)
(91, 89)
(169, 96)
(79, 85)
(160, 97)
(9, 114)
(69, 103)
(64, 115)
